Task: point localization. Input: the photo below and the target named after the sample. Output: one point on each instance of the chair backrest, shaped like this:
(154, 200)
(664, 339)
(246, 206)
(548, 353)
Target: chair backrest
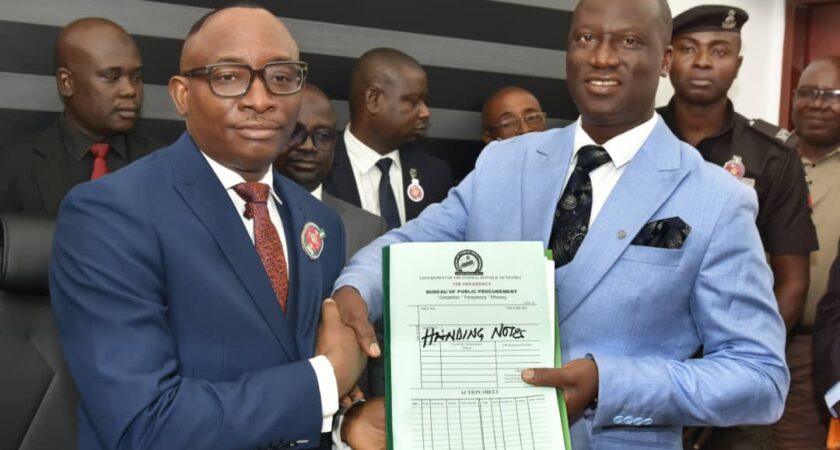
(38, 398)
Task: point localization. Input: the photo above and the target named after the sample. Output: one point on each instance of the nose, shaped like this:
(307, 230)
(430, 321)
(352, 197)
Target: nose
(258, 98)
(604, 55)
(425, 113)
(128, 87)
(702, 59)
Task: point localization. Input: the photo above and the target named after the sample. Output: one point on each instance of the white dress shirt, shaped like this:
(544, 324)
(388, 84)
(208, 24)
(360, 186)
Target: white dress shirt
(363, 162)
(327, 384)
(621, 148)
(832, 397)
(318, 192)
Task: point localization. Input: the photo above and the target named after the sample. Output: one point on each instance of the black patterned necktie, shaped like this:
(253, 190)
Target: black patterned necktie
(387, 202)
(571, 218)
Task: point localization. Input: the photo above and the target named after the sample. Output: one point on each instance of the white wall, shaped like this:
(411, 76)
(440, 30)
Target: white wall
(756, 91)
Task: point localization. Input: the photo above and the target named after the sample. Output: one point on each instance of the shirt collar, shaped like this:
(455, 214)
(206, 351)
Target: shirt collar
(78, 144)
(830, 155)
(366, 156)
(229, 178)
(318, 192)
(669, 115)
(621, 148)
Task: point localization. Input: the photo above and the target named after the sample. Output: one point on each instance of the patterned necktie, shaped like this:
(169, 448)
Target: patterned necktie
(100, 161)
(571, 218)
(387, 201)
(268, 243)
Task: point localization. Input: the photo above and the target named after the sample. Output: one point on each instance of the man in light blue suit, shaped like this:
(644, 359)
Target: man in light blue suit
(657, 252)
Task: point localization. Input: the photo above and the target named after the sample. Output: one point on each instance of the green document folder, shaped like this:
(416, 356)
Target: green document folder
(462, 320)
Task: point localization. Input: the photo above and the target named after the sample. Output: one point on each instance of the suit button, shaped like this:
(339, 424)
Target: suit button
(628, 420)
(618, 420)
(647, 422)
(638, 421)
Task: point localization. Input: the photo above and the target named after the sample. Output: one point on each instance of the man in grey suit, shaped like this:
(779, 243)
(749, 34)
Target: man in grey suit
(306, 160)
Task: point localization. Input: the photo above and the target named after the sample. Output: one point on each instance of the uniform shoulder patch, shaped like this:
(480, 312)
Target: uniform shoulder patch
(780, 135)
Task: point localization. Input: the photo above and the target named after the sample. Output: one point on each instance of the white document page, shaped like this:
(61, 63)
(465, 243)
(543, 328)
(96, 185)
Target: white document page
(464, 320)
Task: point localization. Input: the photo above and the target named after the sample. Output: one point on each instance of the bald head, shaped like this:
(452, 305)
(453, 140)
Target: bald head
(99, 77)
(825, 64)
(380, 67)
(88, 33)
(230, 25)
(315, 98)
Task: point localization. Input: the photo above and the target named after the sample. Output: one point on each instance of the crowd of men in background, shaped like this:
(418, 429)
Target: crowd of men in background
(367, 174)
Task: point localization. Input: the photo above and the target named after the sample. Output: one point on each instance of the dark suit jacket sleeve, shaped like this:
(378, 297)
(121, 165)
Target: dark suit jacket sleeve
(827, 335)
(124, 355)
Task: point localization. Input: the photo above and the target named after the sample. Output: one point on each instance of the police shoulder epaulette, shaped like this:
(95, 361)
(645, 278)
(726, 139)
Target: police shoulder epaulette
(778, 134)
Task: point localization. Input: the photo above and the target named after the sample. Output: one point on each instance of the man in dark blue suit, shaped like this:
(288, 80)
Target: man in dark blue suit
(188, 287)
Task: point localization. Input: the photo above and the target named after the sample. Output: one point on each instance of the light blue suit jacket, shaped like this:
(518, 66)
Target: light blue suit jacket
(641, 311)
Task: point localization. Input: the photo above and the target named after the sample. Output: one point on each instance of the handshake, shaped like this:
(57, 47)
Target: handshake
(364, 425)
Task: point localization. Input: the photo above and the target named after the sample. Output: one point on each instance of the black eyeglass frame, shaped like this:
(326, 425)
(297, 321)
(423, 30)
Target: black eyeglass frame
(816, 93)
(253, 73)
(295, 140)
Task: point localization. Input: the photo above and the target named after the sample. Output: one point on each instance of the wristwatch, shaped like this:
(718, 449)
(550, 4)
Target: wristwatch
(338, 421)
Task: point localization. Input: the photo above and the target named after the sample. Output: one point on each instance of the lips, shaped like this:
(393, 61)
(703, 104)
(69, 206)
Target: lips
(257, 130)
(700, 82)
(602, 85)
(127, 112)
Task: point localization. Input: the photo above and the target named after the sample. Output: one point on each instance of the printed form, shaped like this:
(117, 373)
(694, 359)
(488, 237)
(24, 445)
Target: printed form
(463, 320)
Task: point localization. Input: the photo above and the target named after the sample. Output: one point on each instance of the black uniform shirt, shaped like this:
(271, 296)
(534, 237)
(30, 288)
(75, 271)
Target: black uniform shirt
(80, 160)
(773, 170)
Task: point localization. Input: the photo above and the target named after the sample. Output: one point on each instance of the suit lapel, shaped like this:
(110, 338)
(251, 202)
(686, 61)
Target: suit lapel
(205, 196)
(304, 274)
(545, 170)
(341, 182)
(648, 181)
(51, 173)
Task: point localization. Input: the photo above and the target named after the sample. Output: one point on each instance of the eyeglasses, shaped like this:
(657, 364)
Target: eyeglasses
(811, 94)
(233, 80)
(322, 138)
(512, 125)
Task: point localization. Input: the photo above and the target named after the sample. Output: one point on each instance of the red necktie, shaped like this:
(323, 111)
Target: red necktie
(268, 243)
(100, 163)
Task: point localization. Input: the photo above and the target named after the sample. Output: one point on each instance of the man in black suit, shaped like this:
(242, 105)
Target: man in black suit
(308, 158)
(372, 168)
(100, 80)
(827, 343)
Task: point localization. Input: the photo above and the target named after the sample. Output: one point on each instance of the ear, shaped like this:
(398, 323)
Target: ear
(486, 137)
(667, 58)
(373, 95)
(179, 90)
(65, 81)
(738, 67)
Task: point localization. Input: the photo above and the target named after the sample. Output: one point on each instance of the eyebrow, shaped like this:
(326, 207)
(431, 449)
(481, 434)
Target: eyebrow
(238, 60)
(712, 42)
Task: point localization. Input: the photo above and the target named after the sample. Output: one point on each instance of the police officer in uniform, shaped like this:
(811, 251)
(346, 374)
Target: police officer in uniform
(707, 44)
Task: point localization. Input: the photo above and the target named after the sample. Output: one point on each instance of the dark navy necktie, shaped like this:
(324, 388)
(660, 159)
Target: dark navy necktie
(387, 201)
(571, 218)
